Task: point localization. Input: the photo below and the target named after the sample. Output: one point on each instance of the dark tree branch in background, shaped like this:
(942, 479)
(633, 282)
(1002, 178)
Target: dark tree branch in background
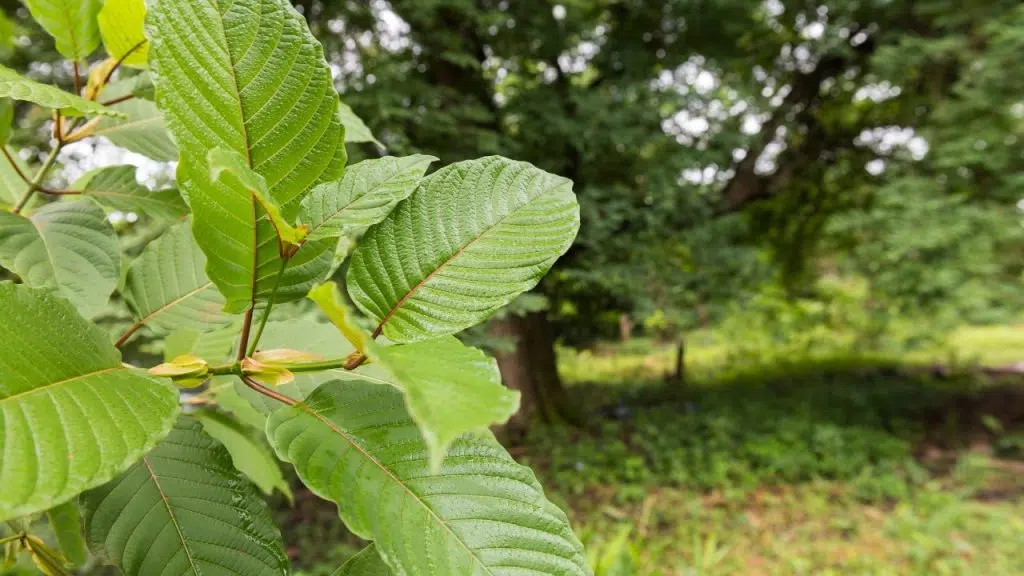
(746, 185)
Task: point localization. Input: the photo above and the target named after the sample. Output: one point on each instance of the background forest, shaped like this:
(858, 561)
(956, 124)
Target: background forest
(789, 336)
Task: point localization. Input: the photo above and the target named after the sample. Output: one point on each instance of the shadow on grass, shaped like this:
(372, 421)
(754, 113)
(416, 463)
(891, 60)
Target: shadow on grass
(881, 425)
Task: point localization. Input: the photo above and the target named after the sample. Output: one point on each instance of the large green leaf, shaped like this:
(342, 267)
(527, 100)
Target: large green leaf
(142, 130)
(354, 444)
(366, 563)
(184, 510)
(121, 27)
(71, 415)
(67, 246)
(450, 389)
(166, 287)
(473, 236)
(72, 23)
(16, 86)
(247, 76)
(116, 187)
(366, 194)
(66, 524)
(249, 453)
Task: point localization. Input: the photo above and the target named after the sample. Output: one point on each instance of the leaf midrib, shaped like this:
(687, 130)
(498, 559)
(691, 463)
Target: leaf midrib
(357, 198)
(303, 406)
(174, 302)
(398, 305)
(170, 513)
(59, 383)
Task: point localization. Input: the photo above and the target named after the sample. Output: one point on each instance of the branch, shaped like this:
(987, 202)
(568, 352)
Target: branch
(243, 344)
(15, 166)
(746, 186)
(121, 60)
(128, 334)
(118, 100)
(268, 392)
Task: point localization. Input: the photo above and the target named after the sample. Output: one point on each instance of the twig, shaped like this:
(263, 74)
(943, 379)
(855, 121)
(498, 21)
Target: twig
(121, 60)
(270, 306)
(118, 100)
(128, 334)
(34, 183)
(243, 345)
(268, 392)
(78, 80)
(15, 166)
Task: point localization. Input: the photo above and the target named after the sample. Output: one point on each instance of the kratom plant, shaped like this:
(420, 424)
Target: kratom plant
(383, 412)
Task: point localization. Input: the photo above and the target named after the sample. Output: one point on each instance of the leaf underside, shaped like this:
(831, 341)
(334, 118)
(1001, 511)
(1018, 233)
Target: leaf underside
(71, 416)
(142, 130)
(116, 188)
(16, 86)
(354, 444)
(72, 23)
(421, 275)
(65, 246)
(184, 510)
(247, 76)
(167, 288)
(366, 563)
(368, 192)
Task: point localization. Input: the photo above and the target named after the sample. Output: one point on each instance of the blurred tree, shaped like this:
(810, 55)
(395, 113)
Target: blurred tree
(670, 114)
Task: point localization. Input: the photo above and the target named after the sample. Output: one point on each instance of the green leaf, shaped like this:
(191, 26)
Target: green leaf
(121, 26)
(366, 563)
(223, 163)
(65, 246)
(71, 415)
(214, 346)
(6, 119)
(16, 86)
(450, 389)
(12, 187)
(354, 444)
(473, 236)
(261, 89)
(184, 509)
(328, 299)
(66, 524)
(249, 452)
(115, 187)
(167, 288)
(142, 130)
(367, 193)
(355, 129)
(72, 23)
(244, 253)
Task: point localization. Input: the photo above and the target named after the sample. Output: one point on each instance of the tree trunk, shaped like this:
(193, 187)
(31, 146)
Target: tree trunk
(625, 327)
(679, 374)
(531, 367)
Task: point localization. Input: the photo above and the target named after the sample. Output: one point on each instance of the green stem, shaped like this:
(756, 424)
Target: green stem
(11, 538)
(33, 186)
(236, 368)
(270, 306)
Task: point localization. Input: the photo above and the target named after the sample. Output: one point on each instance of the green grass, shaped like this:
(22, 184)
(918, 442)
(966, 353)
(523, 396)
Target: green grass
(802, 460)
